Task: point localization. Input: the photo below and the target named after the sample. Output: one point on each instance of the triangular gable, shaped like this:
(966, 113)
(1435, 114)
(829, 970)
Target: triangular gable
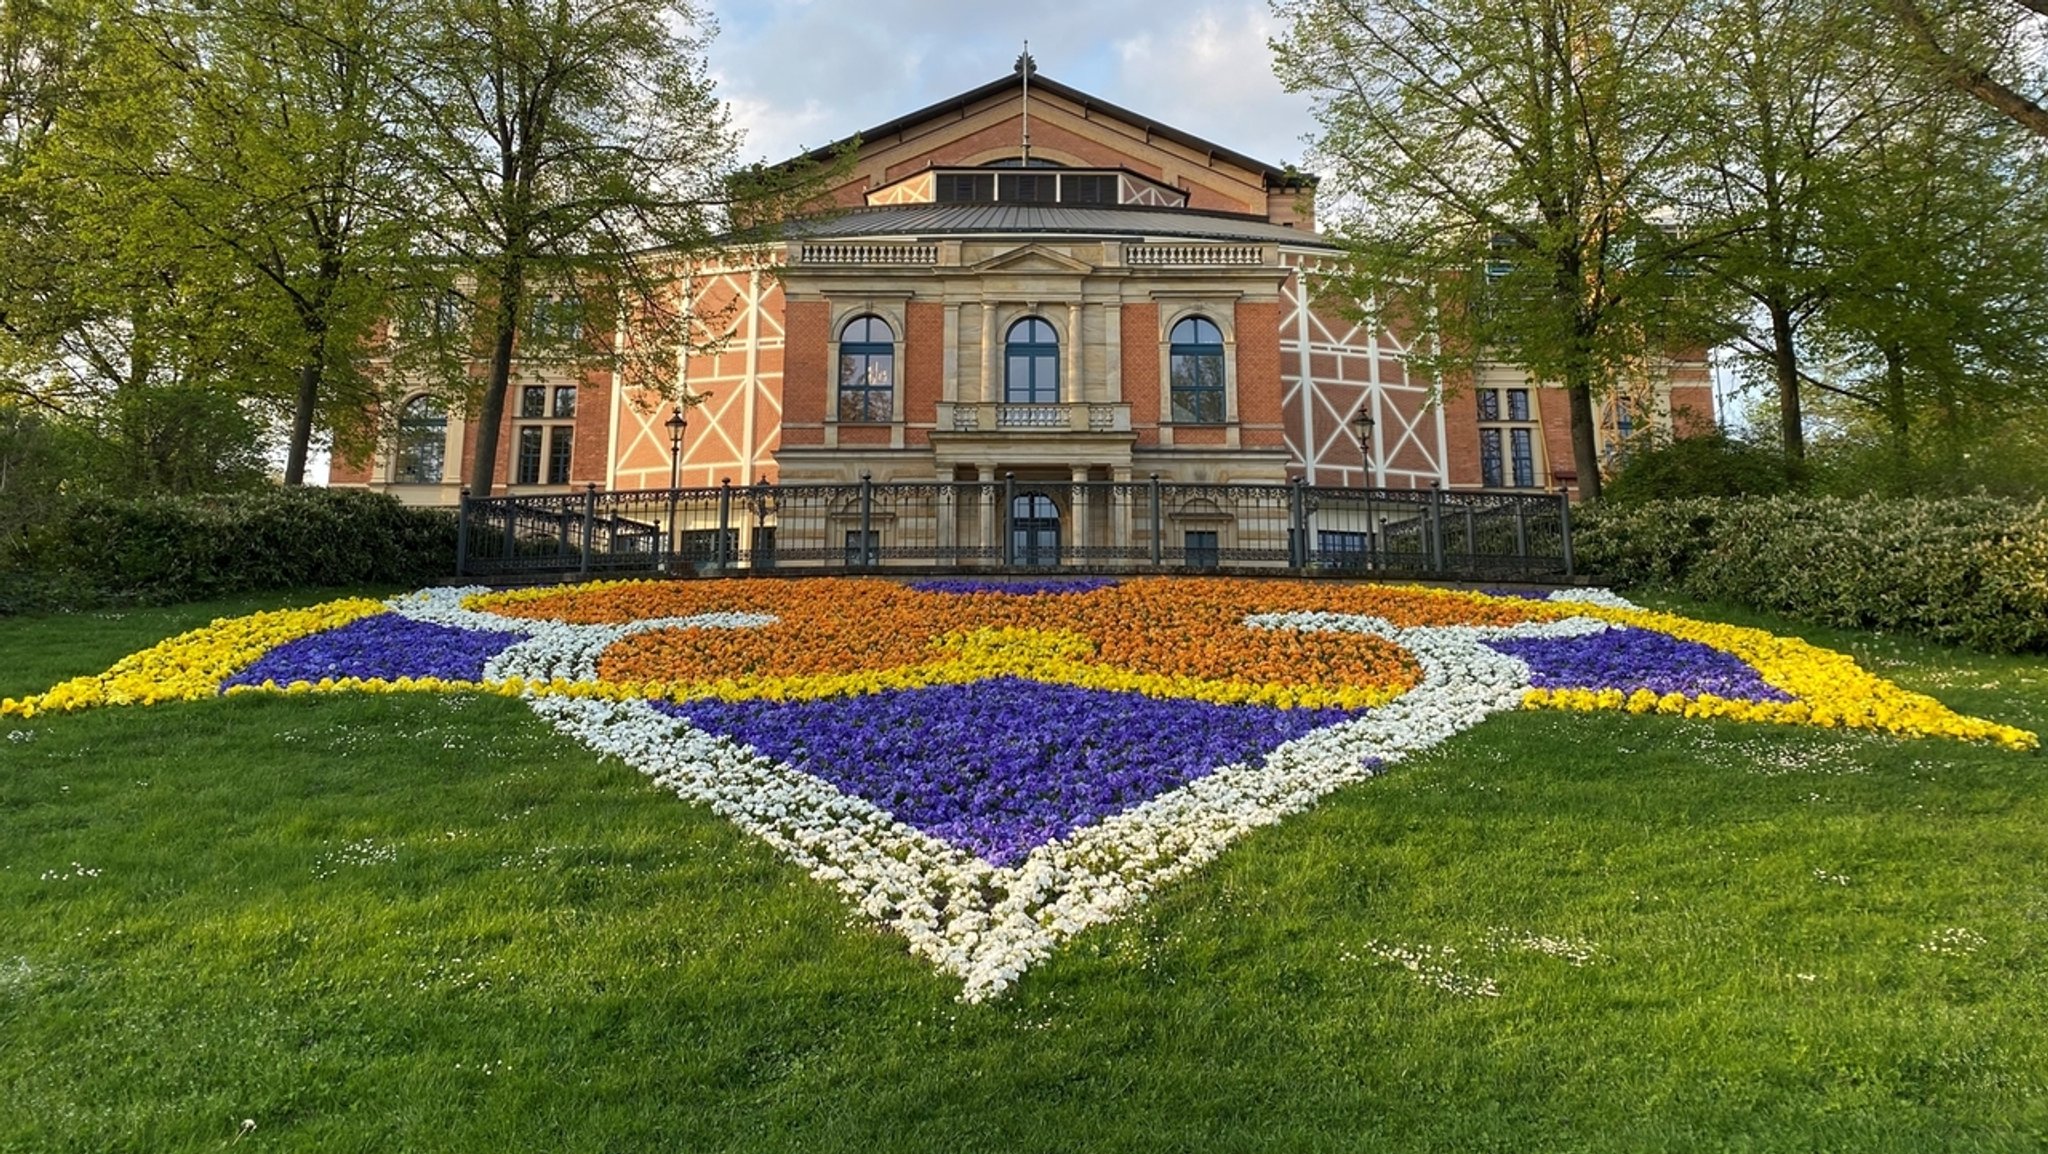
(1068, 127)
(1034, 258)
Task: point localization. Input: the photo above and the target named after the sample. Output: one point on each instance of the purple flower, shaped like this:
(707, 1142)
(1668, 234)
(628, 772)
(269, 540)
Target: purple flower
(1525, 594)
(1005, 765)
(1632, 659)
(1015, 588)
(386, 646)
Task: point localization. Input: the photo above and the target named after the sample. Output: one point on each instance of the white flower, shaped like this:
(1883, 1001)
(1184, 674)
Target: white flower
(985, 924)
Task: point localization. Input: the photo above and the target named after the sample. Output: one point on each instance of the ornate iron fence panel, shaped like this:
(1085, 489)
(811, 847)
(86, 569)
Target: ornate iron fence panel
(1013, 524)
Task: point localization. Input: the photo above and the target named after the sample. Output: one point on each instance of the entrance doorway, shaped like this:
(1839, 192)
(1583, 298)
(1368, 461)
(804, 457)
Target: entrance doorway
(1034, 530)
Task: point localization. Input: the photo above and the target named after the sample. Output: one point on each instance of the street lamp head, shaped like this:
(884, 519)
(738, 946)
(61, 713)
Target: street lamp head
(1364, 422)
(675, 424)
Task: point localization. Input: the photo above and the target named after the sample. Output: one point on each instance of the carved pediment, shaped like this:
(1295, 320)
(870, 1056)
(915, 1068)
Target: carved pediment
(1034, 258)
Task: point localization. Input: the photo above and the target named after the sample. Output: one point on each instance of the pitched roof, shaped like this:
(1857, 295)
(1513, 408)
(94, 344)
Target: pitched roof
(1276, 177)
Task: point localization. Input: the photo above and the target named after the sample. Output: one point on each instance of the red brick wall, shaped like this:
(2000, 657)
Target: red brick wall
(865, 435)
(588, 460)
(804, 372)
(1258, 376)
(1692, 409)
(342, 470)
(1461, 435)
(1556, 408)
(924, 367)
(1141, 370)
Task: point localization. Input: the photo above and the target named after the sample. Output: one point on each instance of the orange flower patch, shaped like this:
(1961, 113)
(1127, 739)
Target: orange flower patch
(1167, 627)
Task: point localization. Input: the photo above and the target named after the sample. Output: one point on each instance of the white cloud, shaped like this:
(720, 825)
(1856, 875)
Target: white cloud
(801, 73)
(1213, 76)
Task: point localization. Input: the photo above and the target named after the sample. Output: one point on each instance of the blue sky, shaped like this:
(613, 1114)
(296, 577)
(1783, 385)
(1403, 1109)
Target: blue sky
(801, 73)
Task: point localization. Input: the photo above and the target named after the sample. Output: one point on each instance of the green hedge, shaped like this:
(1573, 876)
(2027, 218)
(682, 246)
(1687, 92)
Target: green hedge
(1964, 570)
(167, 549)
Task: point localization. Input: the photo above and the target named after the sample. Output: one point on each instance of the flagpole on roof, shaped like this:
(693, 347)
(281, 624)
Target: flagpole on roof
(1025, 66)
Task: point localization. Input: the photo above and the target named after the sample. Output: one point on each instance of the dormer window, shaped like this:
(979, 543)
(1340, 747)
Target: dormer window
(1088, 189)
(966, 187)
(1011, 183)
(1028, 188)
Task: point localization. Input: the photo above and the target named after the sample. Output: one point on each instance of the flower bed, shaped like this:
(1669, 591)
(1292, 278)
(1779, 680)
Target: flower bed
(991, 767)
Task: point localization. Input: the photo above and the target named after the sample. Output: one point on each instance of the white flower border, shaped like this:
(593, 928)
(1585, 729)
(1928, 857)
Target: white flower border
(553, 650)
(983, 923)
(986, 924)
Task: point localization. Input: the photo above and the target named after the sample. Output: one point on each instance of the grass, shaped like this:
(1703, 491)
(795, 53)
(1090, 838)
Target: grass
(390, 923)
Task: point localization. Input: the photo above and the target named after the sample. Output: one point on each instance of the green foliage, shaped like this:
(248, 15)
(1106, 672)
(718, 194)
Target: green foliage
(155, 549)
(1966, 571)
(1709, 465)
(2007, 458)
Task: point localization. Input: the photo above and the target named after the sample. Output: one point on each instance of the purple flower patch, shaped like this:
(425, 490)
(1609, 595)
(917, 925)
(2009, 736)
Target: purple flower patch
(1003, 766)
(1016, 588)
(386, 646)
(1632, 659)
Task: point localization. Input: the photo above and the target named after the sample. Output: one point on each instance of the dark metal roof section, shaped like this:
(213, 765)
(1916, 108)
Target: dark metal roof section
(933, 220)
(1276, 177)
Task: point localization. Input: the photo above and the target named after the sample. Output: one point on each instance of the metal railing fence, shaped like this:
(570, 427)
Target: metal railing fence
(1017, 524)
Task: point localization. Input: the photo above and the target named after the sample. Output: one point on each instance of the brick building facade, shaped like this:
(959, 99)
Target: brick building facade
(1116, 300)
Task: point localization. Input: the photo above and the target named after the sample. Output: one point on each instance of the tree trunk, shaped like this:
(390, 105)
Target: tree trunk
(483, 467)
(312, 373)
(1896, 414)
(302, 420)
(1585, 448)
(1785, 365)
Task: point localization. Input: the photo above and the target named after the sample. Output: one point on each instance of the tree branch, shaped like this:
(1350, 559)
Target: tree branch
(1967, 77)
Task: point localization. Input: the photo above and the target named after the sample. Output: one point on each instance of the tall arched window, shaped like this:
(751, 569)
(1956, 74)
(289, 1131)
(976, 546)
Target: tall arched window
(1196, 360)
(422, 442)
(1031, 363)
(867, 370)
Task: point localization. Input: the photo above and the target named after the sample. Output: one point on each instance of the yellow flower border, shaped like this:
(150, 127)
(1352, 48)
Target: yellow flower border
(1830, 690)
(192, 665)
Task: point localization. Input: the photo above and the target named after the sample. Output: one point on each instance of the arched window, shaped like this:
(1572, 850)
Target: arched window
(422, 442)
(1196, 362)
(867, 370)
(1031, 363)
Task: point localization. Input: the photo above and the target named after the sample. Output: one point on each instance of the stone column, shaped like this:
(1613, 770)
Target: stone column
(1074, 390)
(991, 355)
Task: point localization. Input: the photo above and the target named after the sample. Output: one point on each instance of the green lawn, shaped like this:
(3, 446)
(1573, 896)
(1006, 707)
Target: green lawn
(412, 923)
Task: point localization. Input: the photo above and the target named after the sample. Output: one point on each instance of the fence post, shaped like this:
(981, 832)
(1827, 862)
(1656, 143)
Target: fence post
(589, 527)
(511, 530)
(1297, 529)
(867, 520)
(1471, 540)
(1522, 531)
(462, 533)
(1158, 526)
(722, 553)
(1564, 525)
(1009, 511)
(1436, 526)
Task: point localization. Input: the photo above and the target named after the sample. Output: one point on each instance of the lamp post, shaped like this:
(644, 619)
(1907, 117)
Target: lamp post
(761, 499)
(1364, 422)
(675, 424)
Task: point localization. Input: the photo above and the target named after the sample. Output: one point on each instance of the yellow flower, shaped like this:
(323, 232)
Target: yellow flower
(192, 665)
